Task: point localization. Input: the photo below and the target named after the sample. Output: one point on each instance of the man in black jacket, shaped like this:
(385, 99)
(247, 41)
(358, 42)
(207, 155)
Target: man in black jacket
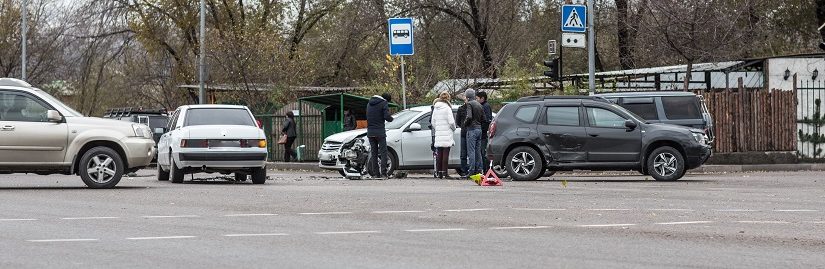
(378, 112)
(349, 120)
(460, 115)
(473, 122)
(485, 128)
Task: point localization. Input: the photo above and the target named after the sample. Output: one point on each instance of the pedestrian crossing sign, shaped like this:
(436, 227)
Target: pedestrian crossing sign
(574, 18)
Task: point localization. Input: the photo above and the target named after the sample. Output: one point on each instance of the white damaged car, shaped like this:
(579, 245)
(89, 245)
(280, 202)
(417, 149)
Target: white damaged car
(213, 139)
(408, 139)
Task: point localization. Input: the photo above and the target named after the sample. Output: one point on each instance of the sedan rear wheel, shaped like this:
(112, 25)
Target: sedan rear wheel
(524, 163)
(175, 173)
(259, 175)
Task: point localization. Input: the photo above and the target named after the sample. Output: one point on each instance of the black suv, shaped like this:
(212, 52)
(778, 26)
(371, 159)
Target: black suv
(156, 119)
(671, 107)
(558, 133)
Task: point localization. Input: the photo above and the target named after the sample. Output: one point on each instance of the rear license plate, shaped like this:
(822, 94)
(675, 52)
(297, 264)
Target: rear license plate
(224, 143)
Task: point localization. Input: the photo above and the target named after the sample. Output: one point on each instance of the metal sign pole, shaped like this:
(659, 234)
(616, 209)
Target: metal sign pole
(24, 29)
(201, 90)
(591, 47)
(403, 84)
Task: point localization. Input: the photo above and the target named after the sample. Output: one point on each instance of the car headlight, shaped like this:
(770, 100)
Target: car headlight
(142, 131)
(700, 137)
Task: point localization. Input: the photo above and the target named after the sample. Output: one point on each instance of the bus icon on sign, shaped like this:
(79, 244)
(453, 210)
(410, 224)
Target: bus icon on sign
(401, 33)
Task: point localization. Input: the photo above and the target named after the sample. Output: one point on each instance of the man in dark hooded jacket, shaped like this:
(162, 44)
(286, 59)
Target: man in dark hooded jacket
(378, 112)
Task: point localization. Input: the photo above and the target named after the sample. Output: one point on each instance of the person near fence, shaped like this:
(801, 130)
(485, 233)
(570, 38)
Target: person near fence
(460, 115)
(443, 124)
(378, 113)
(485, 128)
(473, 122)
(289, 130)
(349, 120)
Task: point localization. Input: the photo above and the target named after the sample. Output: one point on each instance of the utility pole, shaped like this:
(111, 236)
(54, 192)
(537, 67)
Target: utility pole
(201, 74)
(24, 29)
(591, 47)
(403, 84)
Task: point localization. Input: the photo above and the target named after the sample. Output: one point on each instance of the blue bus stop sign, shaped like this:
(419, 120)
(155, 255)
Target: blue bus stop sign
(401, 36)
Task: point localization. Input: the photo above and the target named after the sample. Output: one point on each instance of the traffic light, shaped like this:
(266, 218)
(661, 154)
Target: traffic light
(554, 69)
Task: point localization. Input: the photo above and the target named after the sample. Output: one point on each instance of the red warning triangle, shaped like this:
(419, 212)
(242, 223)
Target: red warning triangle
(490, 179)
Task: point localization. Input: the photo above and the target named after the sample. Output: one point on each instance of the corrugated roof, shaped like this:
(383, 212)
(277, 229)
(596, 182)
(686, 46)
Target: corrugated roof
(698, 67)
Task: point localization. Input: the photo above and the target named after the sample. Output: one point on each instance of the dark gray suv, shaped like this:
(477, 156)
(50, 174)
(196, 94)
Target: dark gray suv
(560, 133)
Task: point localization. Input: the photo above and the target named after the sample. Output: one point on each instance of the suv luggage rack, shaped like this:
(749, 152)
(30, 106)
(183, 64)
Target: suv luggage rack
(128, 111)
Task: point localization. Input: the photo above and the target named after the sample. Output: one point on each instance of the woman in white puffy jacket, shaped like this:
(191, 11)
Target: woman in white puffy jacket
(443, 123)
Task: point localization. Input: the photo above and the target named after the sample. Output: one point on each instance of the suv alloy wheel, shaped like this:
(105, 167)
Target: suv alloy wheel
(666, 164)
(101, 168)
(524, 163)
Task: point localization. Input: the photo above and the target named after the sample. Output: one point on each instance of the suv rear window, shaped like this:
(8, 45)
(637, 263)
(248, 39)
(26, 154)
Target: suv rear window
(643, 107)
(527, 113)
(681, 107)
(564, 116)
(218, 116)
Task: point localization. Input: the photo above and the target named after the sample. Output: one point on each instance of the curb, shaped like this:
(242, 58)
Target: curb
(313, 167)
(760, 168)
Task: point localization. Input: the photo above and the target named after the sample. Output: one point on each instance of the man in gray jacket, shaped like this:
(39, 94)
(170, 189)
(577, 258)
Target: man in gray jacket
(473, 122)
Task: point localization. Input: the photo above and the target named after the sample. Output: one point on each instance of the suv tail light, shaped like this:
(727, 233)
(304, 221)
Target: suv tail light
(492, 131)
(260, 124)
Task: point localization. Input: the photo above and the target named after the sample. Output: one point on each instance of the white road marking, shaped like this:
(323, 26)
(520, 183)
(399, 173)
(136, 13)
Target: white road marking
(63, 240)
(736, 210)
(519, 227)
(763, 222)
(796, 210)
(325, 213)
(468, 210)
(18, 219)
(683, 222)
(669, 209)
(89, 218)
(608, 209)
(606, 225)
(435, 230)
(250, 215)
(817, 222)
(247, 235)
(349, 232)
(161, 237)
(398, 211)
(540, 209)
(165, 217)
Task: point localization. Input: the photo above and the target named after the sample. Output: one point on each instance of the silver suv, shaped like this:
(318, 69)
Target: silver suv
(41, 135)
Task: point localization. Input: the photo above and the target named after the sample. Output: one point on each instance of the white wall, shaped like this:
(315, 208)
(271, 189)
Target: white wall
(802, 67)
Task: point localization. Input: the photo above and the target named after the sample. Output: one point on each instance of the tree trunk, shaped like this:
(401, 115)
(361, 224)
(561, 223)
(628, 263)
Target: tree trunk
(622, 21)
(688, 74)
(820, 17)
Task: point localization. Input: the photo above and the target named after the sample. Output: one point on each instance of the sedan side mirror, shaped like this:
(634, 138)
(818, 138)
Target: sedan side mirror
(414, 127)
(54, 116)
(630, 124)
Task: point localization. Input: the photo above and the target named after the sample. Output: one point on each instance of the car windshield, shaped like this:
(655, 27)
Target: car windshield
(401, 118)
(55, 102)
(218, 116)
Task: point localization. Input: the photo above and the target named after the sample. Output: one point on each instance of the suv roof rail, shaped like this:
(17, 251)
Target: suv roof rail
(126, 111)
(562, 97)
(14, 83)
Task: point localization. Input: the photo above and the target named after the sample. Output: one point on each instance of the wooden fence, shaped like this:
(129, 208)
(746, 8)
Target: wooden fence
(753, 119)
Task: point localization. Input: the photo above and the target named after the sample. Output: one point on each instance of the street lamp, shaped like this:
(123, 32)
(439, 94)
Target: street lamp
(787, 74)
(815, 74)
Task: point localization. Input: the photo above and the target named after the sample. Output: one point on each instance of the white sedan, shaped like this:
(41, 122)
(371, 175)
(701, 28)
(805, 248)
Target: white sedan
(213, 139)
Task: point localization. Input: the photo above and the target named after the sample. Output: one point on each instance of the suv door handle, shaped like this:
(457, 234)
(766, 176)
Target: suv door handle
(7, 128)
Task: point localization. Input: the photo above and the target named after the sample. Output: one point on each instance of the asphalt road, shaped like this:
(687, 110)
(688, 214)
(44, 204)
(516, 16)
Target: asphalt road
(302, 220)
